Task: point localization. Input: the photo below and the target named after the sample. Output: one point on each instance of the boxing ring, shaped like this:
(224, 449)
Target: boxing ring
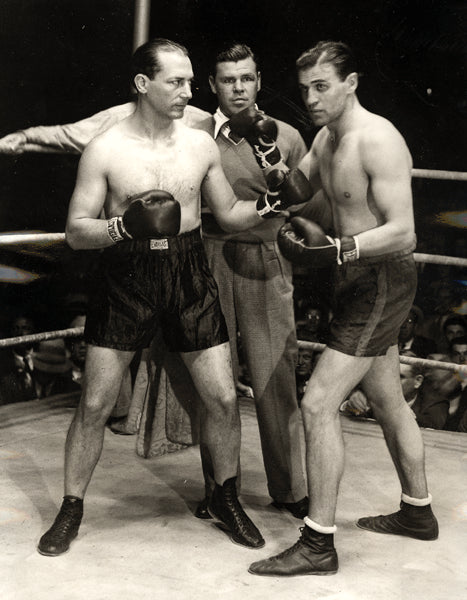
(139, 536)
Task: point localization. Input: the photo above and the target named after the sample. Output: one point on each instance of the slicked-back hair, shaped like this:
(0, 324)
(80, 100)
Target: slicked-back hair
(146, 59)
(335, 53)
(233, 53)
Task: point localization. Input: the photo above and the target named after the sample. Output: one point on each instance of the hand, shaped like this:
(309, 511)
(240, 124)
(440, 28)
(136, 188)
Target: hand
(260, 131)
(285, 188)
(303, 242)
(152, 214)
(13, 143)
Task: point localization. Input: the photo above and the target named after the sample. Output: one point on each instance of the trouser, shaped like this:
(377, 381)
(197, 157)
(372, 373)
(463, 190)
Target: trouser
(256, 295)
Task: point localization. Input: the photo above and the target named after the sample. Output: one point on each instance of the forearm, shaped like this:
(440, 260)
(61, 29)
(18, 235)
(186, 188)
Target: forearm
(385, 239)
(241, 216)
(88, 234)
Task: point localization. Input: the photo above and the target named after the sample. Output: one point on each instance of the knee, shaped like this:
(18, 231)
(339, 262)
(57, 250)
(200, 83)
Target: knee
(225, 407)
(316, 407)
(93, 412)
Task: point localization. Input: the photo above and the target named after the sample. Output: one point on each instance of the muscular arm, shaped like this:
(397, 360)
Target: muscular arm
(387, 162)
(231, 214)
(63, 139)
(84, 229)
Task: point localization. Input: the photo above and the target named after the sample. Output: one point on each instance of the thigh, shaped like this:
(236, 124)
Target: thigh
(211, 371)
(382, 382)
(104, 372)
(334, 377)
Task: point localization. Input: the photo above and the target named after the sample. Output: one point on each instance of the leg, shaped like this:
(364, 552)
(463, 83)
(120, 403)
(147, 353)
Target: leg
(335, 375)
(405, 444)
(264, 307)
(104, 372)
(211, 372)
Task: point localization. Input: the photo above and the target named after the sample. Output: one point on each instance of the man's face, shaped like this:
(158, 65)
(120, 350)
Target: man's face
(170, 90)
(323, 92)
(236, 85)
(22, 326)
(407, 328)
(313, 319)
(304, 363)
(459, 354)
(410, 382)
(453, 331)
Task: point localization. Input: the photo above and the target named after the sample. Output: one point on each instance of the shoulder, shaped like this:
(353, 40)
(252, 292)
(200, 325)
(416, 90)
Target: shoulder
(194, 116)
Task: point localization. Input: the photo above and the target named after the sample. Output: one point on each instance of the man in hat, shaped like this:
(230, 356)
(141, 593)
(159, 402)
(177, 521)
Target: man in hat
(52, 369)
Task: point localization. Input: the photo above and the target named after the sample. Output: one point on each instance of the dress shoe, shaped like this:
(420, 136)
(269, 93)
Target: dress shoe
(58, 538)
(298, 509)
(225, 507)
(312, 554)
(201, 511)
(417, 522)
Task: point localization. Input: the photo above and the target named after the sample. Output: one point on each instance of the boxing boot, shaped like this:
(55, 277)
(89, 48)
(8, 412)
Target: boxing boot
(58, 538)
(417, 522)
(312, 554)
(225, 507)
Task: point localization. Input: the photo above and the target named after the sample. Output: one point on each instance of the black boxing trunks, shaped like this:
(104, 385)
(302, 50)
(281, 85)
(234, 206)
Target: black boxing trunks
(144, 285)
(373, 297)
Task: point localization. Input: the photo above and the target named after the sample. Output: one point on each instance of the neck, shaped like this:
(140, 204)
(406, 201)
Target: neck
(152, 125)
(345, 121)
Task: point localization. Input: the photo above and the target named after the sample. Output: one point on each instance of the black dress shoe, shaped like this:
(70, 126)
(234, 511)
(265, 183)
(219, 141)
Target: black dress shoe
(225, 507)
(313, 554)
(417, 522)
(58, 538)
(298, 509)
(201, 511)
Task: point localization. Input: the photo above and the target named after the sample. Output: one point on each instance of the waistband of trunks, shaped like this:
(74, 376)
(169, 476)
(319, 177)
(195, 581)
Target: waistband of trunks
(170, 245)
(389, 256)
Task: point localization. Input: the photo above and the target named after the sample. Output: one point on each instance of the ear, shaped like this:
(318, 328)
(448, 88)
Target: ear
(418, 381)
(212, 84)
(258, 87)
(141, 82)
(352, 81)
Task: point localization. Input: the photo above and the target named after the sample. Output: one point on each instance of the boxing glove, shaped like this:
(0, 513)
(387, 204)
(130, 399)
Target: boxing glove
(260, 131)
(303, 242)
(151, 214)
(285, 188)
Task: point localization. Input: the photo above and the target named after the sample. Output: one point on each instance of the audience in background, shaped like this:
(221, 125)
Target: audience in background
(409, 340)
(52, 369)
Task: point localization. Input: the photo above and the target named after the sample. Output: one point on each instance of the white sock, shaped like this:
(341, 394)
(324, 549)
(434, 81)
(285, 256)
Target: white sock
(417, 501)
(319, 528)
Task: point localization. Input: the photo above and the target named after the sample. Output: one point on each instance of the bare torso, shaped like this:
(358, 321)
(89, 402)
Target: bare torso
(177, 164)
(344, 166)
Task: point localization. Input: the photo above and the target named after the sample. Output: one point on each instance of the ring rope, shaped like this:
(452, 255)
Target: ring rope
(409, 360)
(32, 238)
(432, 174)
(33, 338)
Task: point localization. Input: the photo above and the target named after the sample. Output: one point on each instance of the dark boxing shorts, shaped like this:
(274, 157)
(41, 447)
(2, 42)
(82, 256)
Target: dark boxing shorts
(149, 284)
(373, 297)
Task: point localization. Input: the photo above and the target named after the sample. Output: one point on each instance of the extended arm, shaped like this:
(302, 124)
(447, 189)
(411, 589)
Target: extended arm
(71, 138)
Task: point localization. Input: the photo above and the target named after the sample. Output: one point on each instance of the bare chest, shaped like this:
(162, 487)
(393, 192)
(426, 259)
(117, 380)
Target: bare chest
(136, 169)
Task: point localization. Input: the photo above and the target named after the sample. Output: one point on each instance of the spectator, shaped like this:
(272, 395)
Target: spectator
(314, 326)
(409, 340)
(305, 364)
(52, 369)
(16, 382)
(458, 401)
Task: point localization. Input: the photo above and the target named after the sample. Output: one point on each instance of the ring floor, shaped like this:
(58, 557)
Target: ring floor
(139, 538)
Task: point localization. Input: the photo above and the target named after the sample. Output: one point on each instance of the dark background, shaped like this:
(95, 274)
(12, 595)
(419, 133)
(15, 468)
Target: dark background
(63, 60)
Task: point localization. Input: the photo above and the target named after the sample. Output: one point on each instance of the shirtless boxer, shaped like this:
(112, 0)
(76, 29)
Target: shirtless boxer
(364, 166)
(147, 173)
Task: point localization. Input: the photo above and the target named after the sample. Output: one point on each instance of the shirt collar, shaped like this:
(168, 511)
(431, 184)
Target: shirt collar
(220, 119)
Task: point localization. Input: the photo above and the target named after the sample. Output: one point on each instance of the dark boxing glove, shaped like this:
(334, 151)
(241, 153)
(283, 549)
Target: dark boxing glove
(260, 131)
(151, 214)
(285, 188)
(303, 242)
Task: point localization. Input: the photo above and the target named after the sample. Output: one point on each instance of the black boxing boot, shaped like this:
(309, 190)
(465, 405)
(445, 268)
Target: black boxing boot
(225, 507)
(312, 554)
(417, 522)
(58, 538)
